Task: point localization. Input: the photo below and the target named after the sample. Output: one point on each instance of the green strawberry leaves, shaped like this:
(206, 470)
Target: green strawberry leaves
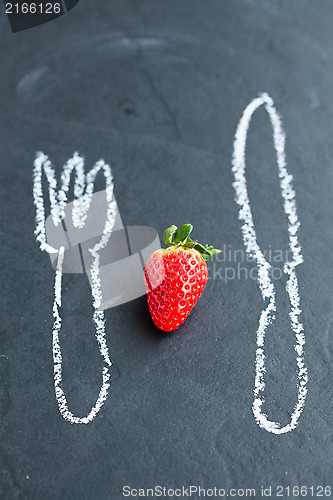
(168, 235)
(206, 251)
(174, 236)
(181, 235)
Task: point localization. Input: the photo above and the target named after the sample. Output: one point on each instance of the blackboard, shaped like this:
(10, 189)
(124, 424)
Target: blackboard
(157, 89)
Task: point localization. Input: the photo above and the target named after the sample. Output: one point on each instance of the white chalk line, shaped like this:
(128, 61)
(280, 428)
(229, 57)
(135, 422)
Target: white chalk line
(252, 248)
(83, 191)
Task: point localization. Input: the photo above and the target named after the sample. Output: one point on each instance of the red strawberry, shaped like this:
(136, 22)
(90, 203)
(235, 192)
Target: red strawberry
(175, 277)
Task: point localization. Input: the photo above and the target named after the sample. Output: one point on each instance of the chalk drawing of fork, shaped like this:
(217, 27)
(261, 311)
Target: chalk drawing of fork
(83, 192)
(264, 280)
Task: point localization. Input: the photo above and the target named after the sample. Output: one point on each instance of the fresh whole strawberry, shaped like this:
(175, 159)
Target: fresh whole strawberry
(175, 277)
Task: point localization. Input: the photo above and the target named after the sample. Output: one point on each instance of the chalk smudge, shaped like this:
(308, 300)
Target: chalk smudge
(265, 284)
(83, 191)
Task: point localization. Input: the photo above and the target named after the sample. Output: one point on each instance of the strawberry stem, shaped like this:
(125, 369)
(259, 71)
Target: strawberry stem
(179, 237)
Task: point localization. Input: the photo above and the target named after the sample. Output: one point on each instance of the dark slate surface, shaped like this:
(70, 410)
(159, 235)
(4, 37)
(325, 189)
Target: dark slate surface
(157, 89)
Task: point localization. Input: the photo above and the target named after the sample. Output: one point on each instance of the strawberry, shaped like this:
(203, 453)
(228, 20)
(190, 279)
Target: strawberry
(175, 277)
